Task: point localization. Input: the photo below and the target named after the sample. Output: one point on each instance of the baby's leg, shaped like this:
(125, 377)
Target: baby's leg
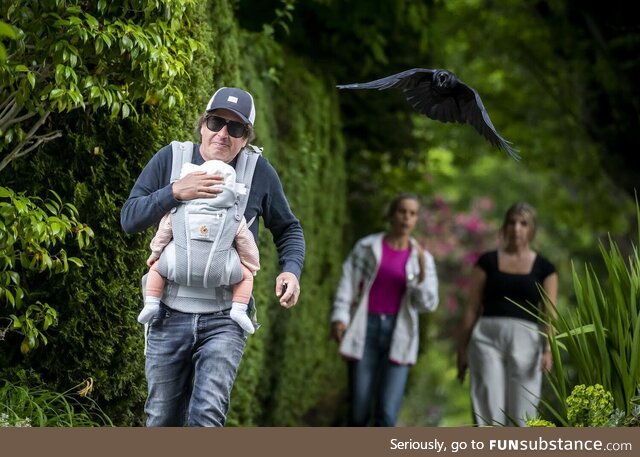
(152, 296)
(242, 290)
(241, 296)
(155, 283)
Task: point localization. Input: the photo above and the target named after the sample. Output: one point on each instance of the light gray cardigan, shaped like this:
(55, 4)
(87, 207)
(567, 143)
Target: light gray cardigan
(351, 300)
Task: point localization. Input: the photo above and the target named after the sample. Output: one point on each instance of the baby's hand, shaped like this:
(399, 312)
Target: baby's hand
(151, 260)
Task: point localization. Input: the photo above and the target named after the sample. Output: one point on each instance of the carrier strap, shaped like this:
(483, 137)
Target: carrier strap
(245, 167)
(182, 153)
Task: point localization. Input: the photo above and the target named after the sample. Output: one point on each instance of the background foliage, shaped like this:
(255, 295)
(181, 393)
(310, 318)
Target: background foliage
(93, 164)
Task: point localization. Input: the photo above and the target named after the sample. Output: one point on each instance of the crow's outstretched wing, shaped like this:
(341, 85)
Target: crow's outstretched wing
(473, 112)
(454, 101)
(404, 80)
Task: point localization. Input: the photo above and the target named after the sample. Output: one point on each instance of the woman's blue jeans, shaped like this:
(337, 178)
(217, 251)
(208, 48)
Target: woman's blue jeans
(375, 383)
(191, 364)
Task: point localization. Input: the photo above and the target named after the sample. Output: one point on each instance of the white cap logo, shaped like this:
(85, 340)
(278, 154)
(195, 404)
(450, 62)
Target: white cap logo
(232, 99)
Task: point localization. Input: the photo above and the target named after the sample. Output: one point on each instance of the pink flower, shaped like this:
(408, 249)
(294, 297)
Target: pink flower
(473, 224)
(483, 204)
(470, 258)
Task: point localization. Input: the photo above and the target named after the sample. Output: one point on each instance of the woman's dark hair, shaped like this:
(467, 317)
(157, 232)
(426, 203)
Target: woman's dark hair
(395, 202)
(250, 136)
(521, 208)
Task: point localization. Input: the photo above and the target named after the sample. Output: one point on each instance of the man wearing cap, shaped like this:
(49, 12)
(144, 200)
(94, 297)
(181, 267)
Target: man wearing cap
(192, 355)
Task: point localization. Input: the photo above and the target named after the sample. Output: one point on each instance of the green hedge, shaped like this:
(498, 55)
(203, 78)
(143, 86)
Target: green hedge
(290, 367)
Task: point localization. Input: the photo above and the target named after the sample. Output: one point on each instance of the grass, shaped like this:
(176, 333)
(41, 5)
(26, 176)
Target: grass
(38, 407)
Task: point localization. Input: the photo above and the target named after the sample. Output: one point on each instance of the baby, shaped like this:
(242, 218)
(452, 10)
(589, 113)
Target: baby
(244, 242)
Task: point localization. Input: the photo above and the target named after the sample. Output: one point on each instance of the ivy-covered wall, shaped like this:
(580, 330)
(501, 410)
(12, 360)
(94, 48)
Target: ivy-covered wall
(290, 367)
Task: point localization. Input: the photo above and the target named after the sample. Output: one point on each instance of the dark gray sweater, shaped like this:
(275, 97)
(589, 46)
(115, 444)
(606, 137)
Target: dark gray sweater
(151, 198)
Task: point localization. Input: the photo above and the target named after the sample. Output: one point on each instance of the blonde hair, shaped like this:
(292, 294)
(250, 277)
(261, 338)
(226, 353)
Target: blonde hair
(521, 208)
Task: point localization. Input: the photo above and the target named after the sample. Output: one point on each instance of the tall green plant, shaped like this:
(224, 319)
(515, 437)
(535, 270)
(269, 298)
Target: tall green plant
(600, 339)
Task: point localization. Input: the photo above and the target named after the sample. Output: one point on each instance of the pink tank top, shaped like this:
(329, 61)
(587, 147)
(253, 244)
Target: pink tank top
(390, 283)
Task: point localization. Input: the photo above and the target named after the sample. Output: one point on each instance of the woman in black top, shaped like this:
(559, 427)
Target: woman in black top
(501, 342)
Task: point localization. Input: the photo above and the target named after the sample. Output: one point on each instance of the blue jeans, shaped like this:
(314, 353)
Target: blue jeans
(375, 381)
(191, 364)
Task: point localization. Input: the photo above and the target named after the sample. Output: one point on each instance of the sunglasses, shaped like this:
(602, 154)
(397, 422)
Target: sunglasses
(235, 129)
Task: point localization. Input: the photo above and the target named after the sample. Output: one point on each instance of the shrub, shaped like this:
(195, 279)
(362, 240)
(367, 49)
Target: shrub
(32, 232)
(590, 406)
(537, 422)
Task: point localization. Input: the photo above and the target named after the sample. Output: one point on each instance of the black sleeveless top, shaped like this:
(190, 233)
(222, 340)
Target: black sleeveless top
(521, 288)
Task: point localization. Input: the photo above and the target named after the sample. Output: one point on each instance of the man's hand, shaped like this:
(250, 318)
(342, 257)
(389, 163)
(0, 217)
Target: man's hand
(287, 289)
(197, 185)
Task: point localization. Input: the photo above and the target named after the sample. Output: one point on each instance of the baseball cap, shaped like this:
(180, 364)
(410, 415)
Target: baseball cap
(236, 100)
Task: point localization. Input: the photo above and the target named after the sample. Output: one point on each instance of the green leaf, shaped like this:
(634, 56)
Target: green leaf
(76, 261)
(16, 322)
(7, 31)
(10, 298)
(94, 92)
(92, 21)
(99, 45)
(56, 93)
(15, 277)
(126, 41)
(115, 108)
(53, 209)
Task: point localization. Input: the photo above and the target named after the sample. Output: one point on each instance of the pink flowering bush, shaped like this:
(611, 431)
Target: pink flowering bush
(456, 239)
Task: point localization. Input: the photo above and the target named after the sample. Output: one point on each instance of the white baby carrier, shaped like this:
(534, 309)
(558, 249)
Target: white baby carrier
(200, 258)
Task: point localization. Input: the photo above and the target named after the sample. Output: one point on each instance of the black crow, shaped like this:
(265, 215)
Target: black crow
(440, 95)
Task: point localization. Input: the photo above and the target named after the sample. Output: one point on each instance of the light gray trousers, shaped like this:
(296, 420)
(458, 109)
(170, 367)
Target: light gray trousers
(504, 363)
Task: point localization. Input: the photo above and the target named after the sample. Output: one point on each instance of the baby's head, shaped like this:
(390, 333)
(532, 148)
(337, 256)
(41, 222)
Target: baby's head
(213, 167)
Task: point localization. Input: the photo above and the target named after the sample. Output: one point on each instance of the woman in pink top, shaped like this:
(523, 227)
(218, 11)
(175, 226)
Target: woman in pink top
(387, 279)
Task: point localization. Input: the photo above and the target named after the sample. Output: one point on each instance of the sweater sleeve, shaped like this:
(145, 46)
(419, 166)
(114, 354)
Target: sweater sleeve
(285, 228)
(151, 196)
